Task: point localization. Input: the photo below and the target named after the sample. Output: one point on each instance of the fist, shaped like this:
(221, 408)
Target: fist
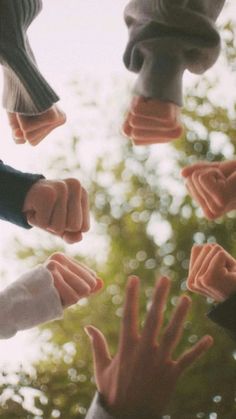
(212, 272)
(151, 121)
(72, 279)
(60, 207)
(36, 127)
(212, 186)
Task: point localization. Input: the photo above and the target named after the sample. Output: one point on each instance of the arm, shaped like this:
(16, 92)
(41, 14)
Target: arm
(167, 37)
(41, 294)
(30, 300)
(139, 380)
(14, 186)
(212, 273)
(25, 89)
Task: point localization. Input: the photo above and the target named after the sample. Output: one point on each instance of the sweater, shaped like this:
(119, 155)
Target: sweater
(14, 186)
(29, 301)
(25, 89)
(166, 37)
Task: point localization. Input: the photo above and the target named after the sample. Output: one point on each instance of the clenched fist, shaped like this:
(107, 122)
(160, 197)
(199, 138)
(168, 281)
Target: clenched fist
(212, 272)
(151, 121)
(36, 127)
(72, 279)
(58, 206)
(213, 186)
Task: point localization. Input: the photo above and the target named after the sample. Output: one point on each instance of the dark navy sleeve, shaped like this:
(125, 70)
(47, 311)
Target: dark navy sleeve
(14, 186)
(224, 314)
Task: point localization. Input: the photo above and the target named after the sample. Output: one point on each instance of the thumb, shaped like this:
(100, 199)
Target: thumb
(101, 354)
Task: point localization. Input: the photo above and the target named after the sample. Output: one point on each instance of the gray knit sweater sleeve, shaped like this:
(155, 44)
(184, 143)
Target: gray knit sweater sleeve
(165, 38)
(25, 89)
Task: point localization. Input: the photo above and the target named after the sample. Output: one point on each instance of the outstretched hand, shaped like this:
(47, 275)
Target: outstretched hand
(72, 279)
(35, 128)
(213, 186)
(151, 121)
(212, 272)
(60, 207)
(140, 379)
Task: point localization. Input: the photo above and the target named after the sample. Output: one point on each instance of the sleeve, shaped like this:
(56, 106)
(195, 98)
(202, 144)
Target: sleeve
(224, 314)
(14, 186)
(25, 89)
(166, 37)
(29, 301)
(98, 410)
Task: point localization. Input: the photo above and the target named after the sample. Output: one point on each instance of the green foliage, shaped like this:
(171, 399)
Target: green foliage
(150, 225)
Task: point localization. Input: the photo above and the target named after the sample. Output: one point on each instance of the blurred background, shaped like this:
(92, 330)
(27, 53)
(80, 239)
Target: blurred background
(143, 221)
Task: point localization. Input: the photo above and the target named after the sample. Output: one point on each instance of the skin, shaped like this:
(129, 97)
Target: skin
(140, 379)
(212, 186)
(72, 279)
(212, 272)
(60, 207)
(33, 129)
(151, 121)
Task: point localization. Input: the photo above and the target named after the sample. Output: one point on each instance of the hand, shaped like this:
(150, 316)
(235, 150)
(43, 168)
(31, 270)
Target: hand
(151, 121)
(212, 185)
(72, 279)
(60, 207)
(36, 127)
(140, 379)
(212, 272)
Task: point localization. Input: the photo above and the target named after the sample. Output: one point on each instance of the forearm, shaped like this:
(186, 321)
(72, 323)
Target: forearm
(165, 38)
(14, 186)
(25, 89)
(29, 301)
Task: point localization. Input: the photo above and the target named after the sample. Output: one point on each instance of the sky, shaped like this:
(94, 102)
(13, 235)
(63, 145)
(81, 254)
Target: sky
(71, 40)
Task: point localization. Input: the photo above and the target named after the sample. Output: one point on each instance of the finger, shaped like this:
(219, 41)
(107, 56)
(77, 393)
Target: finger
(197, 260)
(153, 124)
(156, 135)
(35, 137)
(39, 211)
(214, 185)
(79, 284)
(208, 194)
(74, 216)
(195, 252)
(71, 238)
(227, 167)
(71, 263)
(17, 133)
(99, 285)
(101, 353)
(53, 116)
(76, 268)
(85, 211)
(67, 294)
(155, 316)
(154, 108)
(198, 198)
(129, 326)
(201, 165)
(126, 128)
(189, 357)
(174, 330)
(205, 262)
(58, 218)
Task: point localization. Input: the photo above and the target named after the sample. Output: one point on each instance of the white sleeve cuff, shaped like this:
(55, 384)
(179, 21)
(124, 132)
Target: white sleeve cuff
(29, 301)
